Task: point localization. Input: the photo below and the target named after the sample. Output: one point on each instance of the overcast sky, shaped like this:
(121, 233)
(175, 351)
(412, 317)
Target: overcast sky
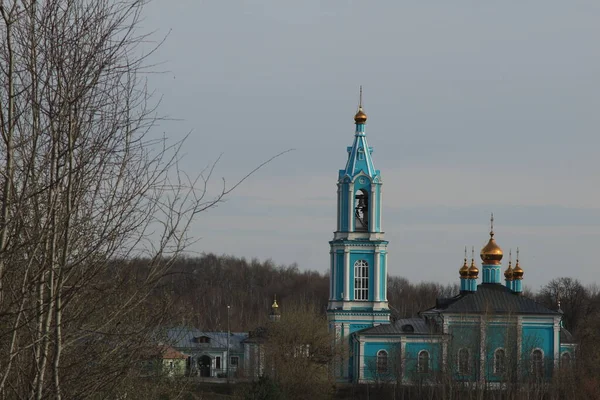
(474, 107)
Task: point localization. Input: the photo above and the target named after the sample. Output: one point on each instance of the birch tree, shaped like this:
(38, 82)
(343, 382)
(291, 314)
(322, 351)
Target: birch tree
(84, 186)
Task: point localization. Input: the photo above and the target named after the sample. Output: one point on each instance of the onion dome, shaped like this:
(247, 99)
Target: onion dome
(517, 271)
(275, 307)
(464, 270)
(360, 117)
(473, 270)
(491, 254)
(508, 274)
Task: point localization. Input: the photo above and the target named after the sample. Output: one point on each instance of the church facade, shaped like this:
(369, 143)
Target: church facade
(489, 332)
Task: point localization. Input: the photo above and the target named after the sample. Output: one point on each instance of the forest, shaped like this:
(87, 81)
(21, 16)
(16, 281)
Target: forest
(201, 288)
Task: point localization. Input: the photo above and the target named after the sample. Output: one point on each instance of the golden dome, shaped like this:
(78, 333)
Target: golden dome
(464, 270)
(360, 117)
(491, 254)
(508, 274)
(473, 270)
(517, 271)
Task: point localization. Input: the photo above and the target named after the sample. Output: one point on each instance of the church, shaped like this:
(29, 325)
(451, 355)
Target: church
(488, 333)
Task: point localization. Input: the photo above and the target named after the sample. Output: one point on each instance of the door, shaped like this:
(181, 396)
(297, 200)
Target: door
(204, 366)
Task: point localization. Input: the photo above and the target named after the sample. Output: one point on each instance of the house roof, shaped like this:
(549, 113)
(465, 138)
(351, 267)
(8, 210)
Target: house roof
(405, 326)
(493, 299)
(169, 353)
(187, 338)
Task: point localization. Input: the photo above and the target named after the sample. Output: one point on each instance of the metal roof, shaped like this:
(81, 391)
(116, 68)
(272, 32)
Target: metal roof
(492, 299)
(405, 326)
(566, 336)
(185, 338)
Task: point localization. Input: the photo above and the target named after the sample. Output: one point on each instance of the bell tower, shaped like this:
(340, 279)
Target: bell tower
(358, 274)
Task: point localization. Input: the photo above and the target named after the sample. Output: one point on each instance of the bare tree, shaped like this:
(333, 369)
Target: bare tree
(84, 187)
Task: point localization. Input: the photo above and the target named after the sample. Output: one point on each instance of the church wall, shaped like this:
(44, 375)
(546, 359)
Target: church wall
(369, 359)
(465, 335)
(538, 337)
(411, 356)
(500, 336)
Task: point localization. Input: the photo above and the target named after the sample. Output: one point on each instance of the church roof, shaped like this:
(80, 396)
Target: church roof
(491, 298)
(566, 336)
(405, 326)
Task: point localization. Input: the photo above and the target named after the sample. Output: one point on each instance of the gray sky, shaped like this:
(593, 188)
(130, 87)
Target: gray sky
(474, 107)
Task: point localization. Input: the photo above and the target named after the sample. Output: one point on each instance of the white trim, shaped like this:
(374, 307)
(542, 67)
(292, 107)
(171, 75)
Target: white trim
(494, 369)
(520, 340)
(339, 207)
(333, 276)
(380, 219)
(482, 352)
(385, 278)
(419, 362)
(372, 222)
(458, 361)
(376, 272)
(361, 275)
(351, 207)
(346, 274)
(556, 341)
(387, 366)
(566, 353)
(531, 361)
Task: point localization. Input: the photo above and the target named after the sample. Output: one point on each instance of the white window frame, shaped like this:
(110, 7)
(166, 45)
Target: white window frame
(468, 361)
(382, 362)
(566, 353)
(533, 371)
(420, 367)
(361, 280)
(496, 372)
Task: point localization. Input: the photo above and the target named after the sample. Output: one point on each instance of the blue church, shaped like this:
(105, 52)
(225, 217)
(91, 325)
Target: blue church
(488, 333)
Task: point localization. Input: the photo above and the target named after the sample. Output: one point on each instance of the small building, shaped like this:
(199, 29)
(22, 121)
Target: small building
(207, 352)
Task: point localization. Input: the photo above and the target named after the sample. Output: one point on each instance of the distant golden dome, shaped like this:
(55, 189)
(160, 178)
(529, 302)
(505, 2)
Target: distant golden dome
(464, 270)
(360, 117)
(508, 274)
(517, 271)
(473, 270)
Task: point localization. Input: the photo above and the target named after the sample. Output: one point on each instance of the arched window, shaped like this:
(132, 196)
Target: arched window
(423, 362)
(361, 280)
(463, 361)
(382, 362)
(499, 362)
(361, 211)
(537, 363)
(565, 359)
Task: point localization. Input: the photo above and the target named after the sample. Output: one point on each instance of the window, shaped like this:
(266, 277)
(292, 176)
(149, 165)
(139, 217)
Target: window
(499, 362)
(361, 211)
(382, 362)
(361, 280)
(463, 361)
(423, 362)
(235, 361)
(202, 339)
(537, 363)
(565, 359)
(361, 153)
(218, 363)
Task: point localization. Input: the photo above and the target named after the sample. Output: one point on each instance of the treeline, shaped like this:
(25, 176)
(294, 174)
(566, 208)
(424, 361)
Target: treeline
(199, 290)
